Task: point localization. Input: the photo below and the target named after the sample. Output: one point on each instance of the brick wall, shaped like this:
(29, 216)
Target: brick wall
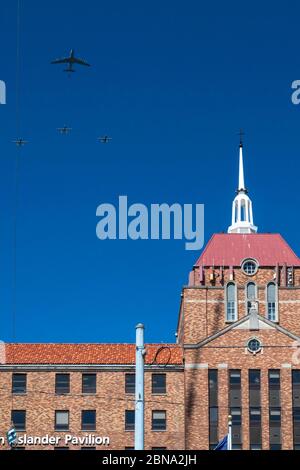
(110, 404)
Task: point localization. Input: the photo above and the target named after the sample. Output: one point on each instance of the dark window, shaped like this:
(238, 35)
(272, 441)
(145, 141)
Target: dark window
(159, 420)
(254, 345)
(19, 384)
(61, 420)
(254, 388)
(159, 448)
(236, 416)
(61, 448)
(296, 425)
(129, 420)
(159, 383)
(234, 388)
(213, 387)
(88, 420)
(213, 407)
(255, 428)
(274, 388)
(129, 383)
(129, 448)
(236, 446)
(18, 448)
(88, 448)
(275, 426)
(275, 446)
(296, 407)
(18, 418)
(296, 387)
(213, 425)
(89, 383)
(62, 384)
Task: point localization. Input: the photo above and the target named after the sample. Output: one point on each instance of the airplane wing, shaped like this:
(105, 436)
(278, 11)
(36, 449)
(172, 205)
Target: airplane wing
(65, 60)
(80, 62)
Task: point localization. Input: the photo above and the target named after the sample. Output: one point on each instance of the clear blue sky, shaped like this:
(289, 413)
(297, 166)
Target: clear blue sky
(172, 83)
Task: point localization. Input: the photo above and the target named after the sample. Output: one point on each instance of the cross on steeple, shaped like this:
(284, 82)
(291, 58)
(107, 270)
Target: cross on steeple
(241, 134)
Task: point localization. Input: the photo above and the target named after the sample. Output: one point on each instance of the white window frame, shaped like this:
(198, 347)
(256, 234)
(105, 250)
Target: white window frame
(227, 320)
(246, 295)
(276, 302)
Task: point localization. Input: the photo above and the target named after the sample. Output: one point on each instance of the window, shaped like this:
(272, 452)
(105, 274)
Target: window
(274, 388)
(231, 304)
(129, 383)
(18, 418)
(234, 388)
(250, 266)
(213, 407)
(159, 421)
(62, 384)
(61, 420)
(88, 420)
(61, 448)
(254, 387)
(275, 427)
(159, 383)
(255, 429)
(19, 384)
(296, 426)
(254, 345)
(275, 446)
(89, 383)
(213, 426)
(271, 302)
(129, 420)
(296, 407)
(296, 387)
(251, 294)
(88, 448)
(251, 291)
(236, 416)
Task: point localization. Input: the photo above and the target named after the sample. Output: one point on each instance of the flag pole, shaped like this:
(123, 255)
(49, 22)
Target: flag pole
(229, 443)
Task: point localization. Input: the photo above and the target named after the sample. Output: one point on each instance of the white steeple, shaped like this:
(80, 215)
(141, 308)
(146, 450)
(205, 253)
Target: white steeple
(242, 215)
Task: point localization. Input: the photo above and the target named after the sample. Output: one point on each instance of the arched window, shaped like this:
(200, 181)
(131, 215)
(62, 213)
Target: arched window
(250, 294)
(231, 303)
(271, 302)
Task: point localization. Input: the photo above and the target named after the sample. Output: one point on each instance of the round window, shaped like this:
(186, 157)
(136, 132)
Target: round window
(254, 345)
(249, 266)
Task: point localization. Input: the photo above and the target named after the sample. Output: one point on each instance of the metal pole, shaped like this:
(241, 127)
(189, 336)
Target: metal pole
(229, 445)
(139, 389)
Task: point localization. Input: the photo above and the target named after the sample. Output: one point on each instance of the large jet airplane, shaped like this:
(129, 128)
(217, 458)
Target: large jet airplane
(71, 60)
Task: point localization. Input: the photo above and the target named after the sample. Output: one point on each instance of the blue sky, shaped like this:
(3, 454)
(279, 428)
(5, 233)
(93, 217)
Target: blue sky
(172, 83)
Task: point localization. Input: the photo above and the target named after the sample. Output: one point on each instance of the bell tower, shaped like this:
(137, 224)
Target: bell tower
(242, 214)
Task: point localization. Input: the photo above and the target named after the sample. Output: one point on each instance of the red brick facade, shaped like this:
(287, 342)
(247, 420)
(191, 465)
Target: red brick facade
(209, 342)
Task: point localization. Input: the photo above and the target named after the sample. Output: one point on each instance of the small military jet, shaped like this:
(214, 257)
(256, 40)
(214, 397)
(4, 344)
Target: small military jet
(64, 130)
(71, 60)
(105, 139)
(20, 142)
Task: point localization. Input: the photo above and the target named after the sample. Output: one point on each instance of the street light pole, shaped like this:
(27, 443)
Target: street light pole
(139, 389)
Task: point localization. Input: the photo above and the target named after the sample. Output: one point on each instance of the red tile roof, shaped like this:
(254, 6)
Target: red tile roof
(229, 249)
(59, 353)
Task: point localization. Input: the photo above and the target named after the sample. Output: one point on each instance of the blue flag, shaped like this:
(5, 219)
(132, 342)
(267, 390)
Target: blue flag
(223, 444)
(11, 436)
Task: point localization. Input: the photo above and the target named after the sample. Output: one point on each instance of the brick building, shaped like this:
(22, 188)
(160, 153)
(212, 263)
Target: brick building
(237, 353)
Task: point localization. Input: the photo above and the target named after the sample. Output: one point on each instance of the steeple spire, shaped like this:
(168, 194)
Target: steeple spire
(242, 215)
(241, 171)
